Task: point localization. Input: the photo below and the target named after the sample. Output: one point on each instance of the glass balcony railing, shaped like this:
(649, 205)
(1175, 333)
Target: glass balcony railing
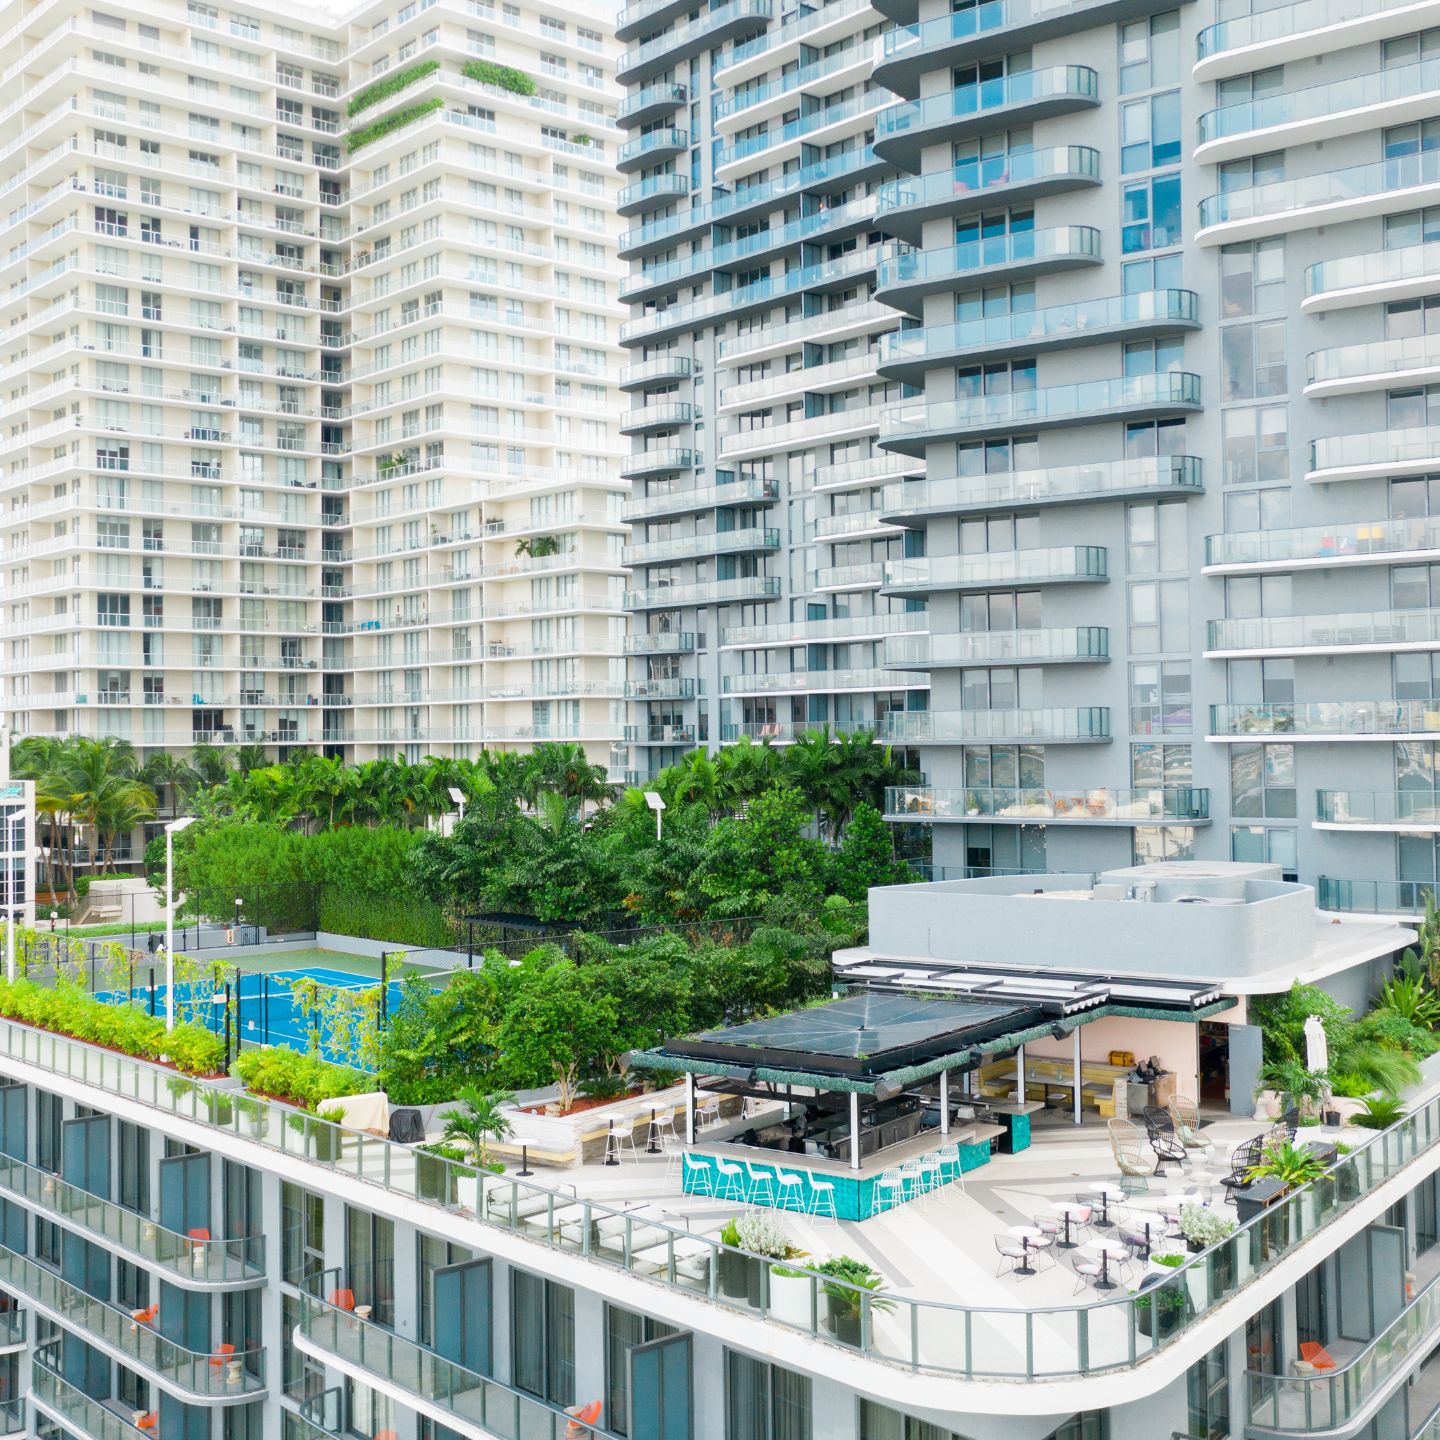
(974, 179)
(820, 632)
(669, 642)
(1088, 400)
(798, 79)
(1288, 20)
(851, 318)
(958, 727)
(1315, 102)
(713, 592)
(89, 1417)
(704, 497)
(820, 118)
(1376, 269)
(864, 575)
(192, 1258)
(653, 191)
(1087, 1337)
(1063, 483)
(1378, 807)
(662, 415)
(899, 265)
(1380, 630)
(688, 547)
(203, 1374)
(653, 98)
(1287, 200)
(1177, 805)
(1381, 718)
(1319, 543)
(661, 368)
(1341, 455)
(803, 682)
(1074, 323)
(676, 688)
(997, 647)
(989, 18)
(950, 572)
(660, 734)
(1374, 897)
(651, 462)
(653, 142)
(1375, 364)
(1054, 83)
(689, 39)
(368, 1349)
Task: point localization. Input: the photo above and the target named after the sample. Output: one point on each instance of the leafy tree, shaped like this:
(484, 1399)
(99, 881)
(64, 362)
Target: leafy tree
(478, 1120)
(866, 857)
(753, 859)
(560, 1024)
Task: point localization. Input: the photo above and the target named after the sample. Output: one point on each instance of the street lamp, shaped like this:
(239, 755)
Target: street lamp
(238, 903)
(458, 796)
(171, 831)
(654, 801)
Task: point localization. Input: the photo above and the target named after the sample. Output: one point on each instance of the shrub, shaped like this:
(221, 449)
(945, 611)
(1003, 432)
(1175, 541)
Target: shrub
(388, 85)
(303, 1080)
(387, 124)
(1380, 1112)
(505, 77)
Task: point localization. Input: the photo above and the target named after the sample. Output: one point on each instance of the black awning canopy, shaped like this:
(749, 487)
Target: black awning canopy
(868, 1033)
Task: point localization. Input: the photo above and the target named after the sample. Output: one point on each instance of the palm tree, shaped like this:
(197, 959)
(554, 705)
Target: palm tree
(565, 768)
(164, 772)
(101, 777)
(211, 763)
(250, 757)
(478, 1121)
(746, 768)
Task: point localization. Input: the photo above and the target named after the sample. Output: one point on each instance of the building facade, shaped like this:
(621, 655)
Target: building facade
(1141, 532)
(310, 364)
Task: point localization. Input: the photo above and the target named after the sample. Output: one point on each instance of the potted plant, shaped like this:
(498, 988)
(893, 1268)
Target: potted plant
(1159, 1305)
(254, 1112)
(790, 1290)
(734, 1269)
(843, 1302)
(1378, 1112)
(477, 1120)
(1203, 1227)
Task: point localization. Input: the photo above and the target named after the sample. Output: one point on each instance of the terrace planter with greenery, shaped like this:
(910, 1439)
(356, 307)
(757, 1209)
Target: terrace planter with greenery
(388, 85)
(503, 77)
(388, 124)
(843, 1302)
(1159, 1305)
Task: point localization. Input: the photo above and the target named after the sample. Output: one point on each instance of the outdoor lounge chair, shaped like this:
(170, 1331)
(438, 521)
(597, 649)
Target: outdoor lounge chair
(1186, 1116)
(1160, 1131)
(1317, 1355)
(1127, 1145)
(1244, 1158)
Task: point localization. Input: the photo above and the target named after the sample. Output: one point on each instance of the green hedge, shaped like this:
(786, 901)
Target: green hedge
(387, 124)
(301, 1079)
(388, 85)
(506, 77)
(69, 1010)
(401, 919)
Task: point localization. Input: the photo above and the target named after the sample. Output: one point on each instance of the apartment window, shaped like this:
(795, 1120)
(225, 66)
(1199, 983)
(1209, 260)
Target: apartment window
(1417, 676)
(1252, 171)
(1249, 510)
(1155, 536)
(1155, 272)
(1262, 782)
(1002, 850)
(994, 227)
(1264, 845)
(1004, 767)
(1252, 277)
(765, 1402)
(1414, 587)
(1150, 132)
(1414, 227)
(1413, 409)
(1150, 52)
(1002, 456)
(1000, 610)
(999, 533)
(1412, 499)
(1160, 699)
(1149, 438)
(1150, 214)
(624, 1329)
(434, 1255)
(1252, 360)
(302, 1220)
(133, 1147)
(880, 1422)
(1256, 443)
(1159, 615)
(1207, 1390)
(1418, 138)
(49, 1114)
(1406, 318)
(542, 1337)
(1002, 688)
(1250, 596)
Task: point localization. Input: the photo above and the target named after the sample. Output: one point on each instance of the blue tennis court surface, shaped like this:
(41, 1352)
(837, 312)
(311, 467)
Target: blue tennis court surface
(266, 1008)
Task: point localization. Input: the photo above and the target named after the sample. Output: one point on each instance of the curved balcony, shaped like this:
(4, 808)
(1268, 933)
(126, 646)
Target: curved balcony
(656, 462)
(661, 370)
(1303, 31)
(926, 805)
(185, 1261)
(992, 27)
(673, 688)
(1328, 720)
(823, 682)
(755, 57)
(711, 29)
(1397, 810)
(651, 103)
(693, 547)
(663, 143)
(749, 104)
(659, 734)
(1318, 634)
(1374, 897)
(1087, 644)
(908, 354)
(866, 575)
(1058, 565)
(916, 502)
(903, 131)
(1403, 274)
(904, 277)
(838, 629)
(655, 192)
(1087, 725)
(1379, 365)
(660, 642)
(705, 497)
(1375, 453)
(1378, 542)
(56, 1397)
(711, 592)
(662, 415)
(1384, 187)
(642, 15)
(912, 426)
(906, 205)
(824, 125)
(1320, 112)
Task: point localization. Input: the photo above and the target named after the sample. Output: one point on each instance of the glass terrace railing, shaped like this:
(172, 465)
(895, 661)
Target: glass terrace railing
(1382, 629)
(1324, 542)
(1029, 1343)
(818, 632)
(941, 572)
(988, 647)
(89, 1417)
(1374, 897)
(1283, 20)
(1381, 718)
(791, 80)
(705, 592)
(1377, 807)
(900, 265)
(1004, 92)
(194, 1259)
(955, 727)
(1375, 267)
(1178, 805)
(1027, 487)
(1374, 361)
(1375, 448)
(993, 172)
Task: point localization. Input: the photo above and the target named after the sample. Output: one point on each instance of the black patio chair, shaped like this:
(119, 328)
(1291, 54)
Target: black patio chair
(1160, 1131)
(1244, 1158)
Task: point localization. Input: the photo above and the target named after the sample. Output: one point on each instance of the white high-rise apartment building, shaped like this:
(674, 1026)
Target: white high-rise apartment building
(309, 356)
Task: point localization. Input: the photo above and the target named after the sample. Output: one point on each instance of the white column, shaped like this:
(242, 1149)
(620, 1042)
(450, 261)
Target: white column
(854, 1129)
(944, 1102)
(689, 1108)
(1020, 1073)
(1075, 1036)
(169, 930)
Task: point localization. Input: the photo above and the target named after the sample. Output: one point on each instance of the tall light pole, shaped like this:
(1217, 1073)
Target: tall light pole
(171, 831)
(458, 796)
(657, 804)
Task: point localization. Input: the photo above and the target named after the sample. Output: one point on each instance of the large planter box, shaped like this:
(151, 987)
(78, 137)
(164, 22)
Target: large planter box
(790, 1298)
